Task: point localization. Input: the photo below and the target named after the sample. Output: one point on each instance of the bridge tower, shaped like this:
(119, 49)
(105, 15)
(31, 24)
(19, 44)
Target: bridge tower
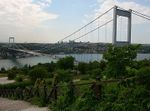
(123, 13)
(11, 41)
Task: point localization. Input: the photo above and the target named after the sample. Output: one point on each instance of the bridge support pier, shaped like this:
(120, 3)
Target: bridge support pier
(124, 13)
(11, 41)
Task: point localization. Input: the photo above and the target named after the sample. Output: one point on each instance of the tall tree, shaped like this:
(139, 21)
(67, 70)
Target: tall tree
(118, 58)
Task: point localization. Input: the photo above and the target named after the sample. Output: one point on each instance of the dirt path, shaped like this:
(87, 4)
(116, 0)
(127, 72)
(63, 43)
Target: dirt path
(17, 105)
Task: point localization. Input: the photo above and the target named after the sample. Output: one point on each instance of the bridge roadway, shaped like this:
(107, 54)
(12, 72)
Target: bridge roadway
(38, 54)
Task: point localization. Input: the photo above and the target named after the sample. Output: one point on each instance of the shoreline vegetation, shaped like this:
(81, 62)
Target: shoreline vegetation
(116, 83)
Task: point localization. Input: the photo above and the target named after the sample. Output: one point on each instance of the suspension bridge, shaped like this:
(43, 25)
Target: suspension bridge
(114, 26)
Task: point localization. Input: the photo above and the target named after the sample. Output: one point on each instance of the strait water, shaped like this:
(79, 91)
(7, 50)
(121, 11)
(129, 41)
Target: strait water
(9, 63)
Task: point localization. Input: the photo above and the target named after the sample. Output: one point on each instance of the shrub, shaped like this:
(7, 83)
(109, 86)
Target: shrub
(95, 72)
(37, 101)
(63, 75)
(37, 73)
(11, 74)
(143, 76)
(66, 63)
(15, 85)
(85, 77)
(82, 67)
(19, 79)
(3, 70)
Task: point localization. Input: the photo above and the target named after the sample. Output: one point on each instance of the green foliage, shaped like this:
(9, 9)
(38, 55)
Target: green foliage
(15, 85)
(66, 100)
(85, 77)
(95, 73)
(48, 81)
(93, 65)
(3, 70)
(102, 65)
(37, 73)
(11, 74)
(19, 79)
(25, 69)
(66, 63)
(82, 67)
(143, 76)
(86, 103)
(120, 98)
(37, 101)
(118, 58)
(63, 75)
(132, 71)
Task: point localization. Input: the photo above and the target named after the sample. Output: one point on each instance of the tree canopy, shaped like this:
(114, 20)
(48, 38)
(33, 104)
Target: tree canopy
(118, 58)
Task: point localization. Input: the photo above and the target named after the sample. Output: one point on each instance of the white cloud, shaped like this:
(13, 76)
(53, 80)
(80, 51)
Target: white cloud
(44, 3)
(24, 13)
(25, 20)
(104, 5)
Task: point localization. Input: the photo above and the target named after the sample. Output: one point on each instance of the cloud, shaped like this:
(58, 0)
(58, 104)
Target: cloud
(104, 5)
(24, 13)
(44, 3)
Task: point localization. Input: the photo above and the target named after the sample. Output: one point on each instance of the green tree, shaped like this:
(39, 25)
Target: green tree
(66, 63)
(63, 75)
(37, 73)
(143, 76)
(118, 58)
(3, 70)
(11, 74)
(83, 67)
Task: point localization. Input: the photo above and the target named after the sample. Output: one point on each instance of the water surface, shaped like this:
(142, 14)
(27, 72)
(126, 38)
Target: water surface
(9, 63)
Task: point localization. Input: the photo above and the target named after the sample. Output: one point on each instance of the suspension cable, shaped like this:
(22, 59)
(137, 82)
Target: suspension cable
(93, 30)
(147, 16)
(87, 24)
(141, 16)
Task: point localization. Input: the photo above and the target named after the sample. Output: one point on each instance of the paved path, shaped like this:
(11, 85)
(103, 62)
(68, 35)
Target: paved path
(4, 80)
(17, 105)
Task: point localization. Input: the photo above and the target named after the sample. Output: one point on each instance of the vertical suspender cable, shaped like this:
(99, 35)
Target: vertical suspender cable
(98, 43)
(91, 43)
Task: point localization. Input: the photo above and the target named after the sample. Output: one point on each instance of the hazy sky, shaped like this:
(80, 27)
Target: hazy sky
(50, 20)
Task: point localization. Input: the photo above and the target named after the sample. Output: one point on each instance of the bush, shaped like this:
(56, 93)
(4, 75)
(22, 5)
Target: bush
(82, 67)
(143, 76)
(48, 81)
(66, 63)
(3, 70)
(37, 101)
(37, 73)
(63, 75)
(16, 85)
(11, 74)
(19, 79)
(85, 77)
(95, 72)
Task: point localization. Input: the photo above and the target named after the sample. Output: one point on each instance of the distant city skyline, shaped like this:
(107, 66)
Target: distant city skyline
(47, 21)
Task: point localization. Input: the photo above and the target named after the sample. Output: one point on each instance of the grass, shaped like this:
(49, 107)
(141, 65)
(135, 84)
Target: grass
(3, 75)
